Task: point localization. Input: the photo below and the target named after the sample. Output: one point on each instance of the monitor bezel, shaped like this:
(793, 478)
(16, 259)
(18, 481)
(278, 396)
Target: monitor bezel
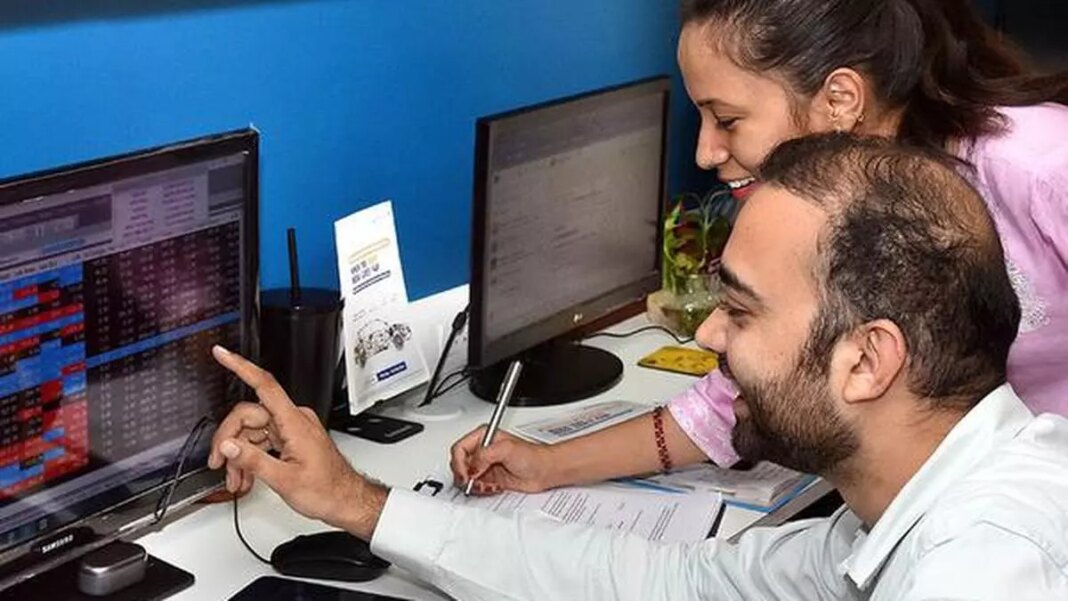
(125, 516)
(563, 322)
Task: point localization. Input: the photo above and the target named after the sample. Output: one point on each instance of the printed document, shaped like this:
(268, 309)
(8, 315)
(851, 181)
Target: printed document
(580, 422)
(763, 487)
(668, 518)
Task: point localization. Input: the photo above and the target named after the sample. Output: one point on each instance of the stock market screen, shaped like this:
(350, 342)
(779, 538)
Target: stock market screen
(111, 298)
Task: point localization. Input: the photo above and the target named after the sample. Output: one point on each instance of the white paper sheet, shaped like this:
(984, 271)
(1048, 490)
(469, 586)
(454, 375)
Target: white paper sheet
(667, 518)
(660, 517)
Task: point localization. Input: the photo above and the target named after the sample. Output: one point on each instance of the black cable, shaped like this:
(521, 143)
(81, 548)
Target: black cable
(677, 338)
(183, 453)
(445, 381)
(165, 500)
(453, 385)
(241, 537)
(458, 324)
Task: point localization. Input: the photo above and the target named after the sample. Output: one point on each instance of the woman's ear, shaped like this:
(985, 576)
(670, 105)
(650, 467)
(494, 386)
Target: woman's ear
(840, 104)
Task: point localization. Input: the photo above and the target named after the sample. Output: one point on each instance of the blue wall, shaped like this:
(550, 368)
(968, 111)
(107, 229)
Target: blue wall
(357, 100)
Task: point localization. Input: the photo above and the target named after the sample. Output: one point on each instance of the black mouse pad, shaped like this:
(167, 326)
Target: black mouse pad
(273, 588)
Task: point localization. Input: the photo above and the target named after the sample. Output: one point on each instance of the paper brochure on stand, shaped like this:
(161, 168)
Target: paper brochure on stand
(382, 358)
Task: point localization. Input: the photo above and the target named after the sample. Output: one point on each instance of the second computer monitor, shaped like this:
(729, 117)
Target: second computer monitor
(568, 199)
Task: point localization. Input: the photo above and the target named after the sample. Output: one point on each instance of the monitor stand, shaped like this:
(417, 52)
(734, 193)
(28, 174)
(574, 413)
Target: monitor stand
(554, 373)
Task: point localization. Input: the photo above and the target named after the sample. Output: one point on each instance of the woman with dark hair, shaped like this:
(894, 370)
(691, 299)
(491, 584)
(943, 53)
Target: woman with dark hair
(928, 72)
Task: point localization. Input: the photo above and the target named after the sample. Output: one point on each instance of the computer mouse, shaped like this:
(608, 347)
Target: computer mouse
(333, 555)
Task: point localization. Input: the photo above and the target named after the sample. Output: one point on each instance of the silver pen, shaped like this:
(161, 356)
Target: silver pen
(504, 396)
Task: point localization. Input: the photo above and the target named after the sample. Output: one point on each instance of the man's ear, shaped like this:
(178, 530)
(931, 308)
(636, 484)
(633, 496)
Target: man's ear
(875, 355)
(840, 104)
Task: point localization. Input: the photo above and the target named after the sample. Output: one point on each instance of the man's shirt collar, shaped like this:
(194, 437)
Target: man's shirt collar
(998, 417)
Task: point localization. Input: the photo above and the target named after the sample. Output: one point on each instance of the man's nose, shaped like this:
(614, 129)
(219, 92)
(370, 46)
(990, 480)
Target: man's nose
(712, 333)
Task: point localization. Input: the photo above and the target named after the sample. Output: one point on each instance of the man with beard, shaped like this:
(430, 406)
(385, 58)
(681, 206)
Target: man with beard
(867, 319)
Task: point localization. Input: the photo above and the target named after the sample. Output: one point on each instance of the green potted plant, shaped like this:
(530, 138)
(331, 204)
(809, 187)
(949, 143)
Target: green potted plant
(695, 231)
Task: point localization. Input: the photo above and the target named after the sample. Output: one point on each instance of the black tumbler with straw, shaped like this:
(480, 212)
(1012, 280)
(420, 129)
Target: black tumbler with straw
(300, 331)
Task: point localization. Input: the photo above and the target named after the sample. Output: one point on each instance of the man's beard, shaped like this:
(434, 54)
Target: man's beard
(792, 421)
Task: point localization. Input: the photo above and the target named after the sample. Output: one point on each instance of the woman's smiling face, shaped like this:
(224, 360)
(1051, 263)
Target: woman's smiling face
(744, 115)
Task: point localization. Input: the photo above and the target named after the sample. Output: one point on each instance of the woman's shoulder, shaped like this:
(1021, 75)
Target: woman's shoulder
(1033, 143)
(1033, 146)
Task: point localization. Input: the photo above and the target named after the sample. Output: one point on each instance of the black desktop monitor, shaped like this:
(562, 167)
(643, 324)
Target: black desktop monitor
(116, 278)
(567, 206)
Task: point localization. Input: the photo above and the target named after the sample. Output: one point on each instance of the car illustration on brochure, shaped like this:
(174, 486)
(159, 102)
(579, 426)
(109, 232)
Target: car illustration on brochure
(376, 336)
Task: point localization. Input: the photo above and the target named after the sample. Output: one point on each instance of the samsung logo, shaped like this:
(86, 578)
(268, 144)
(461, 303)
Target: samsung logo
(59, 542)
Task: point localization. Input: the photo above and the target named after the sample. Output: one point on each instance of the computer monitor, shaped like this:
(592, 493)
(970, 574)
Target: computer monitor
(116, 278)
(566, 229)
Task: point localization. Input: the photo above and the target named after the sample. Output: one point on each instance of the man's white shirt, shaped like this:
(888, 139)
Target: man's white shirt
(985, 518)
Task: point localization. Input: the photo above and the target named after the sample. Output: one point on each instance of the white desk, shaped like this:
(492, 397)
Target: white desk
(204, 542)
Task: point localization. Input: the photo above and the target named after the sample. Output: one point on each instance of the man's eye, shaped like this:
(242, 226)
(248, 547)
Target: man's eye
(732, 311)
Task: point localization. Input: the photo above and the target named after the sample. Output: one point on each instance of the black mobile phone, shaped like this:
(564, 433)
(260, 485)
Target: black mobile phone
(376, 428)
(273, 588)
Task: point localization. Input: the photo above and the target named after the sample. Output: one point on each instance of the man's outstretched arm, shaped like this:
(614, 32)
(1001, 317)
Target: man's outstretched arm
(475, 554)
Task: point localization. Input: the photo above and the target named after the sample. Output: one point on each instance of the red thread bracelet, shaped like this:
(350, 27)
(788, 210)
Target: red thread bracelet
(661, 442)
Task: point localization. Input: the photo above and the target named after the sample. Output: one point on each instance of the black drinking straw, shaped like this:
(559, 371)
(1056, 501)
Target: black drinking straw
(294, 269)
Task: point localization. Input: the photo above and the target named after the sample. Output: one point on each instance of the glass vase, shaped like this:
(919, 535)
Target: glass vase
(683, 308)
